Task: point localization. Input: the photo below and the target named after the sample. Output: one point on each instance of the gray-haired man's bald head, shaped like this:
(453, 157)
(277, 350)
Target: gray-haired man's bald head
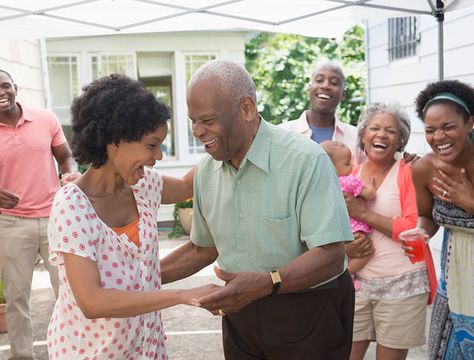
(234, 79)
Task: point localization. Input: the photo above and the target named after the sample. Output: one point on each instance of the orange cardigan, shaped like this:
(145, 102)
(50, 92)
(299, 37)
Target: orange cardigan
(407, 202)
(409, 218)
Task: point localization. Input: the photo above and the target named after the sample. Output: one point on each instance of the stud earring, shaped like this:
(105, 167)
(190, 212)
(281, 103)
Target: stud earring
(398, 155)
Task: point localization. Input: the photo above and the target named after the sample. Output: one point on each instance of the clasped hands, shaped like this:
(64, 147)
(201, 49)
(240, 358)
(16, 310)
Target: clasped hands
(241, 288)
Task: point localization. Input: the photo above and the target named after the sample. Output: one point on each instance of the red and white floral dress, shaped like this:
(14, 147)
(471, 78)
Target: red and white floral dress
(75, 228)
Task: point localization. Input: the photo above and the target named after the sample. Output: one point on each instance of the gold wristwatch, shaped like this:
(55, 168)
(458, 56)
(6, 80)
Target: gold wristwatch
(276, 280)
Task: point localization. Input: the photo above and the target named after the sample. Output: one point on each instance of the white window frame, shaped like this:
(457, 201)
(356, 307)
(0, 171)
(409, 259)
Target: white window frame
(406, 44)
(99, 54)
(78, 79)
(192, 157)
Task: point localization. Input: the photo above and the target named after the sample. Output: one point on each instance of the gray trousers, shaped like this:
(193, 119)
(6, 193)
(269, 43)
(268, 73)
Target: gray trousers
(21, 240)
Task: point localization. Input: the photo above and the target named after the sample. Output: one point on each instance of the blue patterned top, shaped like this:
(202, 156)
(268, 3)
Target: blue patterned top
(446, 214)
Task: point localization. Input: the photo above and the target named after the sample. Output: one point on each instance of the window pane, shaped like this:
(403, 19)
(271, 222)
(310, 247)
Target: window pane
(163, 95)
(63, 78)
(403, 37)
(155, 71)
(192, 63)
(112, 64)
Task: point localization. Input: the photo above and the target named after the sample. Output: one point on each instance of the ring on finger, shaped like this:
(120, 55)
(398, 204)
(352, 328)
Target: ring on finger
(221, 313)
(445, 193)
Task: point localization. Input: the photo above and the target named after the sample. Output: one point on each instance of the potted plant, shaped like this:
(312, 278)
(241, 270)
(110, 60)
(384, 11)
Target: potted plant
(3, 310)
(183, 218)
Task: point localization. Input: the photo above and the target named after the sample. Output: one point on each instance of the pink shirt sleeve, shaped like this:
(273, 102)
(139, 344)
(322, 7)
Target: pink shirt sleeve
(56, 131)
(409, 215)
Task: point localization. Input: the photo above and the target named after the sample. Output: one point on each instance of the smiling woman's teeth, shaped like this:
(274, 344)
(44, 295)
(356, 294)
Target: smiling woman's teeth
(443, 146)
(379, 145)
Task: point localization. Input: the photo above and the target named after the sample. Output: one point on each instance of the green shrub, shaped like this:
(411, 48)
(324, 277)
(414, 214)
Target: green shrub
(2, 299)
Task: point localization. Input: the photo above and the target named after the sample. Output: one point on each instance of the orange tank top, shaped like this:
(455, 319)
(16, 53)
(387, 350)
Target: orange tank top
(131, 230)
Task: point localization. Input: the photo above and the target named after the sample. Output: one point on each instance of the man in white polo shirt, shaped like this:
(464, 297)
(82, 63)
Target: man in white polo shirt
(320, 123)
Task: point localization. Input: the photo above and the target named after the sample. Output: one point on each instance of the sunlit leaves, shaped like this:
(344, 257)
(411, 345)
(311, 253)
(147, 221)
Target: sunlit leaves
(281, 66)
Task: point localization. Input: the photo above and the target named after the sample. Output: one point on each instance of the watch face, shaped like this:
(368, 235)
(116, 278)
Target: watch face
(275, 277)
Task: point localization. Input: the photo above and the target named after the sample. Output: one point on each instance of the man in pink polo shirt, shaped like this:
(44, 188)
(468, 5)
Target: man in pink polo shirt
(30, 140)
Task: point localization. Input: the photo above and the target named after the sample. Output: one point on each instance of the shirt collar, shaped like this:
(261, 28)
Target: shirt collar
(26, 114)
(259, 152)
(301, 124)
(338, 125)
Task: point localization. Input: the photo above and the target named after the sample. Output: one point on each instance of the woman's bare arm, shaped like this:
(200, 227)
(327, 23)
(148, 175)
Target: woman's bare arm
(97, 302)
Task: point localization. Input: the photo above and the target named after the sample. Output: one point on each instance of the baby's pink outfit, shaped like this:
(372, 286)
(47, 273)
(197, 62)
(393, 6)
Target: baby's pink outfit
(352, 185)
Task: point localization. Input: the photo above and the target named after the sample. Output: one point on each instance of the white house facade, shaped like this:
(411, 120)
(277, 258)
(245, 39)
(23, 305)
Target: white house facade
(402, 57)
(22, 59)
(164, 62)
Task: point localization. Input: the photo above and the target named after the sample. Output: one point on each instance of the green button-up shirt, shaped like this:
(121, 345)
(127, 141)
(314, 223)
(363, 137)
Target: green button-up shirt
(284, 199)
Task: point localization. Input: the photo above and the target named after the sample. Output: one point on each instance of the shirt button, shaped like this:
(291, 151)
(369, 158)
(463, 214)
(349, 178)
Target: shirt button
(241, 215)
(237, 182)
(242, 248)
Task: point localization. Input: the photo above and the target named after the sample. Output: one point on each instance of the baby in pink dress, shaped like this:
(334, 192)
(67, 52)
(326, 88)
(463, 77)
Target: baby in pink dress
(340, 156)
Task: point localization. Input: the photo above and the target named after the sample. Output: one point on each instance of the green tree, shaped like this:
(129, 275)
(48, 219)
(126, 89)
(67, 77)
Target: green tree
(281, 66)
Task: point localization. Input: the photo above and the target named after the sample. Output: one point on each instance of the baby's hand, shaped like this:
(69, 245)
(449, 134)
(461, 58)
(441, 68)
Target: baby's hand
(369, 191)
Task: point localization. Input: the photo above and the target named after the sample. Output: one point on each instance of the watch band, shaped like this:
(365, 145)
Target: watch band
(276, 279)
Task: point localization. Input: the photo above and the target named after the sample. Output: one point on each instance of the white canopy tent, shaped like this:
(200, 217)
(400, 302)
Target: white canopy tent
(322, 18)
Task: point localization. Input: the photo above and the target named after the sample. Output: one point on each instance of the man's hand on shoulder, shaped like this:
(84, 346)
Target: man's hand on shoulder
(8, 200)
(241, 288)
(410, 158)
(69, 177)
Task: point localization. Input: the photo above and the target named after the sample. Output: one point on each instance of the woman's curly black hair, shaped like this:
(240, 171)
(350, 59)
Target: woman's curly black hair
(112, 109)
(456, 87)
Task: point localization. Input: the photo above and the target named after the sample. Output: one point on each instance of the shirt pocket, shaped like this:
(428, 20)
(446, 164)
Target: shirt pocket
(280, 241)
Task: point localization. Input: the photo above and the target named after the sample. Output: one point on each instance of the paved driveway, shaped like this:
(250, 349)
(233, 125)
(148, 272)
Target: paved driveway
(193, 334)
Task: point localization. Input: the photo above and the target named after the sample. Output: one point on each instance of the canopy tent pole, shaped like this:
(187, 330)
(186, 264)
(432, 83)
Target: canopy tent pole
(439, 15)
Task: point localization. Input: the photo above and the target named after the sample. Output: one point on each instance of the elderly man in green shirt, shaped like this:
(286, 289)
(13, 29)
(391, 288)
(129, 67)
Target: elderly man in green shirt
(268, 207)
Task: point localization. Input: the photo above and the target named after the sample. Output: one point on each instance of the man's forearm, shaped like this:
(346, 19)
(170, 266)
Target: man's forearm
(185, 261)
(69, 165)
(313, 267)
(309, 269)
